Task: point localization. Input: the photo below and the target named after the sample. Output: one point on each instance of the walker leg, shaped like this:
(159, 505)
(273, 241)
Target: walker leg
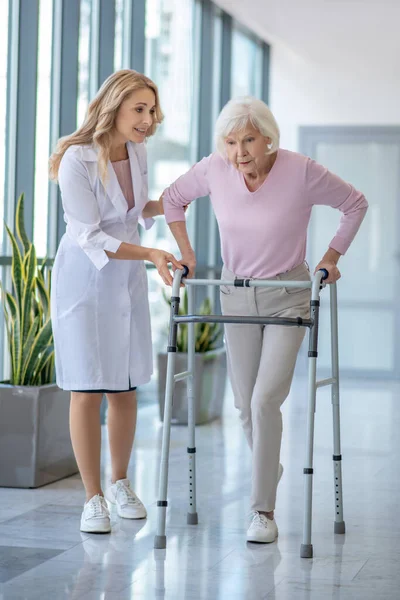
(192, 516)
(160, 540)
(339, 524)
(306, 550)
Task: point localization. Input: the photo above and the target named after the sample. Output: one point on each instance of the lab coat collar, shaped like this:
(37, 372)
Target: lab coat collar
(113, 189)
(89, 153)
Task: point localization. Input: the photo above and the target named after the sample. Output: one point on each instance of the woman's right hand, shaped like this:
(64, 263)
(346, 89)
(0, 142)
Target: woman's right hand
(161, 259)
(189, 259)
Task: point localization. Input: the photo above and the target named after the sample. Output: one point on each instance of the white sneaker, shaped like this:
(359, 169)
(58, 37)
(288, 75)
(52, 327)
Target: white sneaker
(128, 504)
(262, 530)
(96, 516)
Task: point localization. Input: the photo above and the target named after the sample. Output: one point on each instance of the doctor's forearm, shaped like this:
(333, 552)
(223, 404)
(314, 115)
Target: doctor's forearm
(130, 252)
(152, 209)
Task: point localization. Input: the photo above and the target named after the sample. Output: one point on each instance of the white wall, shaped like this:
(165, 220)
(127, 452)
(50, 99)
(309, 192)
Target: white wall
(333, 61)
(307, 93)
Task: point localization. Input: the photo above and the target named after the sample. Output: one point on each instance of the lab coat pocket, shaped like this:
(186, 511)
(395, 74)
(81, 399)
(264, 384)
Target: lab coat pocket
(74, 281)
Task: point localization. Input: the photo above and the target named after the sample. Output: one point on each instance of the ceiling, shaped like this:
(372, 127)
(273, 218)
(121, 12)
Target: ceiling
(360, 37)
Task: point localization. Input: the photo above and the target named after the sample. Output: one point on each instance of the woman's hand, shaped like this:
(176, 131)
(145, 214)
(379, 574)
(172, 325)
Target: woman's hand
(161, 259)
(189, 259)
(331, 267)
(329, 262)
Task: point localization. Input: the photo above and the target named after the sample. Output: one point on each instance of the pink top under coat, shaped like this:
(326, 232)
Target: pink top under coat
(122, 170)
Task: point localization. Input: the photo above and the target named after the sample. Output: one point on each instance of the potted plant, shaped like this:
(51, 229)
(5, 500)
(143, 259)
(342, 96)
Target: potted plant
(210, 369)
(35, 446)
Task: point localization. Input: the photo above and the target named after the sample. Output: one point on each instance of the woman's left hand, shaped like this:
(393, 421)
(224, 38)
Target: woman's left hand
(331, 267)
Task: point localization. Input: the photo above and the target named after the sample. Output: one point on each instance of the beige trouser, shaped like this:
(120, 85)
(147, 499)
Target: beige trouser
(261, 362)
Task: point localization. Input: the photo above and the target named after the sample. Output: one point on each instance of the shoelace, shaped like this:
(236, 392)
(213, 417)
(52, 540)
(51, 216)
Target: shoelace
(96, 507)
(128, 496)
(259, 520)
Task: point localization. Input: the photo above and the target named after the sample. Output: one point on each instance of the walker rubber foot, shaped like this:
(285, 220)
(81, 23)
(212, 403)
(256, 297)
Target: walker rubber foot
(339, 527)
(192, 518)
(160, 542)
(306, 551)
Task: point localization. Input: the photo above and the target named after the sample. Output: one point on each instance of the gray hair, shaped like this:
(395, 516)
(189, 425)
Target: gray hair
(238, 113)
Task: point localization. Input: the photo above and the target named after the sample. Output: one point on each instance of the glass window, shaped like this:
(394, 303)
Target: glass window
(119, 34)
(42, 126)
(217, 66)
(84, 53)
(3, 104)
(246, 64)
(170, 35)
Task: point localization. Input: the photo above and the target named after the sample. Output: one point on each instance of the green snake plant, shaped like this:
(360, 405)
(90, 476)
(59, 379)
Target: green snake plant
(27, 311)
(206, 335)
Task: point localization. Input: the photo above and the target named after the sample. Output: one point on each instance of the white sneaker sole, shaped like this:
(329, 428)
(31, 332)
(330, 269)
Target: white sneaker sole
(254, 540)
(120, 513)
(95, 529)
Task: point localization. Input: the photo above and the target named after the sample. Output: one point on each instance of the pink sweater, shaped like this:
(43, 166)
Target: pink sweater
(264, 233)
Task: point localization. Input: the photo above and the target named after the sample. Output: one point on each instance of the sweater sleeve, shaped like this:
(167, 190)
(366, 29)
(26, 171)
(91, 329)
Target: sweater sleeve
(193, 184)
(325, 188)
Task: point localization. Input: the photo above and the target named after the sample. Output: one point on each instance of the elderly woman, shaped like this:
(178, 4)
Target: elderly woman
(262, 196)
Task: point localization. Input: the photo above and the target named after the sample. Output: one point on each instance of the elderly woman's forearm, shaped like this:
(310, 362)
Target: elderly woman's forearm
(331, 255)
(179, 231)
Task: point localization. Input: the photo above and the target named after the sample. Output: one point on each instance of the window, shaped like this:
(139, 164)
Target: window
(169, 63)
(119, 34)
(217, 67)
(246, 64)
(42, 127)
(3, 104)
(84, 54)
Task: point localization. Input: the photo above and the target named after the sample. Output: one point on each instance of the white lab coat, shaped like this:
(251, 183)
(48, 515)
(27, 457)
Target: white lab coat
(99, 306)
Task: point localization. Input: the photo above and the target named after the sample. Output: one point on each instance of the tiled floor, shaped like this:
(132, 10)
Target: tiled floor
(43, 555)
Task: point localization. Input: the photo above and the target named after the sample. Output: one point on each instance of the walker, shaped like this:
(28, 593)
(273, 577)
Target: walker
(316, 285)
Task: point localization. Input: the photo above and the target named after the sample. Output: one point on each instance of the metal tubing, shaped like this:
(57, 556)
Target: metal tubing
(251, 283)
(325, 382)
(181, 376)
(306, 550)
(339, 524)
(289, 322)
(192, 518)
(160, 540)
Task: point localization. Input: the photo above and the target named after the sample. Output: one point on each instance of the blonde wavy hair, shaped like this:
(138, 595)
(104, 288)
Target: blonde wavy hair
(98, 126)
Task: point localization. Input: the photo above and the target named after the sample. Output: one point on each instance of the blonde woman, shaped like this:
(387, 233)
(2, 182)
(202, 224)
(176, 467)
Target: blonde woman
(262, 197)
(99, 300)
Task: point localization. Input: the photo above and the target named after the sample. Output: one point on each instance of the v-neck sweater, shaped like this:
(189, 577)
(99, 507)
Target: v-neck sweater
(264, 232)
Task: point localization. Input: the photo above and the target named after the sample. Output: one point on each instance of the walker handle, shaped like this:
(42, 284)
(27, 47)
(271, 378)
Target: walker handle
(326, 274)
(185, 271)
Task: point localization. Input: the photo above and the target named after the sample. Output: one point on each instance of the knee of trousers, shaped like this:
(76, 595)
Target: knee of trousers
(244, 414)
(266, 404)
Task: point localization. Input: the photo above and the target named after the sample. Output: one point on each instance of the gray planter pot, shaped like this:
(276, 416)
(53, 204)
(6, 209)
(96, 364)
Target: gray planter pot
(210, 380)
(35, 445)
